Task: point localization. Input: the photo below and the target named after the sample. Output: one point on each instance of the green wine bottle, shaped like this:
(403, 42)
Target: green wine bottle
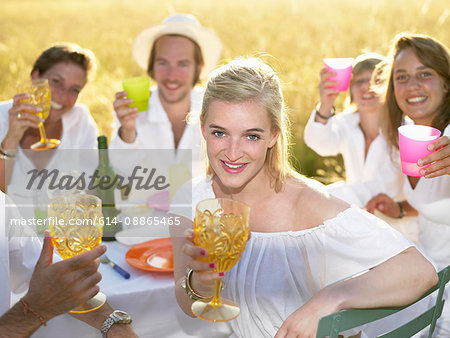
(104, 185)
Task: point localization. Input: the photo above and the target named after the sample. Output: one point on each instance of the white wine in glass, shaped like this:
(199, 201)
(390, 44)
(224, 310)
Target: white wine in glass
(221, 227)
(75, 222)
(40, 95)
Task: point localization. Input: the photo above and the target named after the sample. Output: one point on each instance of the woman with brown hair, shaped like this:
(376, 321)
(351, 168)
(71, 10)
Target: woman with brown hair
(67, 68)
(418, 87)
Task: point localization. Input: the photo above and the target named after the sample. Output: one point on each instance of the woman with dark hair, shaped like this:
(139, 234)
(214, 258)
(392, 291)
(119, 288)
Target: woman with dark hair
(418, 87)
(67, 68)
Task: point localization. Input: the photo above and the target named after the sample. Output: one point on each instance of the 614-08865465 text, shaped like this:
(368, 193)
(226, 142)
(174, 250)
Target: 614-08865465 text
(146, 220)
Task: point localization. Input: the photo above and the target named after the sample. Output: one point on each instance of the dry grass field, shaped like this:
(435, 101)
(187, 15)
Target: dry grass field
(291, 35)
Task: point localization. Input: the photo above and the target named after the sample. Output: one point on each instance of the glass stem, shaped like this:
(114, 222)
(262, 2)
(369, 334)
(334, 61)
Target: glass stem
(215, 302)
(42, 133)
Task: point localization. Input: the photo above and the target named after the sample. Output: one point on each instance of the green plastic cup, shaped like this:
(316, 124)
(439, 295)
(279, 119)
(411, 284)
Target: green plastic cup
(138, 89)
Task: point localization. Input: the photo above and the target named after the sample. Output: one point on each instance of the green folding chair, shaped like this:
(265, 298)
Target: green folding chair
(332, 325)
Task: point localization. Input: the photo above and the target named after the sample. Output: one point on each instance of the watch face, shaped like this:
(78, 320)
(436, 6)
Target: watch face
(122, 316)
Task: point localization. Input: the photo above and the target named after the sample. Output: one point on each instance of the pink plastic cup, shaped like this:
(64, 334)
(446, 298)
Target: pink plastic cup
(413, 141)
(343, 69)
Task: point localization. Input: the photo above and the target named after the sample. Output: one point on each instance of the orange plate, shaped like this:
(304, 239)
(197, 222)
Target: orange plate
(155, 255)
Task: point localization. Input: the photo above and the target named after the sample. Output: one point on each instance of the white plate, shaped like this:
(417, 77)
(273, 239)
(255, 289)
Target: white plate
(128, 238)
(134, 232)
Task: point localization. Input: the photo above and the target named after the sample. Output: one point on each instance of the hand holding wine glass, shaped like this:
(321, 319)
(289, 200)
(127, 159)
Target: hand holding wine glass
(39, 94)
(221, 227)
(76, 227)
(52, 291)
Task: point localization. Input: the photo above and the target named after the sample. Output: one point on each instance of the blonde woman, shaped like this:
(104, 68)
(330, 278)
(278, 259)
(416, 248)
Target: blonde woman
(304, 243)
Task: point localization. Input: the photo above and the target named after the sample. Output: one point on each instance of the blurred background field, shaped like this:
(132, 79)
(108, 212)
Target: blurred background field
(291, 35)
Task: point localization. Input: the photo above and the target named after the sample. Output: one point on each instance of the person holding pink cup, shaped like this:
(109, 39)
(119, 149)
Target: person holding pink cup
(342, 67)
(413, 141)
(354, 133)
(417, 87)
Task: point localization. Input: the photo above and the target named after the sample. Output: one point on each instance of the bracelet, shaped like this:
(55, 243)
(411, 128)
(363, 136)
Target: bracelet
(27, 308)
(333, 111)
(186, 285)
(7, 155)
(402, 210)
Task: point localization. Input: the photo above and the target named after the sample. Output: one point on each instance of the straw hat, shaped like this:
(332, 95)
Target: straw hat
(181, 24)
(368, 56)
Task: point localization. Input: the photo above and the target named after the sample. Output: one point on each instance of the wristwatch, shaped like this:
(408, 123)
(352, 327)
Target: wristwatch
(117, 317)
(402, 210)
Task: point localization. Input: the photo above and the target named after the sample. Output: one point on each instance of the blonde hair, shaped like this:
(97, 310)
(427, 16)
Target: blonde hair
(250, 79)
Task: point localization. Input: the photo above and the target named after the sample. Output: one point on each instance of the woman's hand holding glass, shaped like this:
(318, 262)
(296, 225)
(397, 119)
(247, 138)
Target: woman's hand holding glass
(221, 233)
(204, 274)
(441, 159)
(327, 95)
(21, 117)
(34, 97)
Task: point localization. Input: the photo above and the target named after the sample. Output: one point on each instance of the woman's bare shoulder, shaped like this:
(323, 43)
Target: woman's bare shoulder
(313, 200)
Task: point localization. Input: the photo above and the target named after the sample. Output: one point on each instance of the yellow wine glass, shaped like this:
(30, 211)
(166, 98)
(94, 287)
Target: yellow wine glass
(76, 226)
(221, 227)
(40, 95)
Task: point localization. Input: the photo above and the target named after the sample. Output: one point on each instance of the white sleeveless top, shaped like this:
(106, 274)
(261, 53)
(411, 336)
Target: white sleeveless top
(280, 271)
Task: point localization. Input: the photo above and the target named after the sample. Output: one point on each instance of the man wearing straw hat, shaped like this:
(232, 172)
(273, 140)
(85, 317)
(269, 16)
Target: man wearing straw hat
(176, 54)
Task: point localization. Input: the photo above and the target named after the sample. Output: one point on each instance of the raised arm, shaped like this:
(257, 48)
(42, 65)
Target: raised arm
(126, 116)
(20, 119)
(327, 96)
(319, 134)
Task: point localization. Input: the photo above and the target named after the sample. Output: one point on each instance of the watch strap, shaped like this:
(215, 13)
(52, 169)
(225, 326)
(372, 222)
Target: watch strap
(116, 317)
(402, 210)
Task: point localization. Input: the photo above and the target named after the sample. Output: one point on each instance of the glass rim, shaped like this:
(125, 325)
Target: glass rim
(417, 126)
(40, 81)
(243, 204)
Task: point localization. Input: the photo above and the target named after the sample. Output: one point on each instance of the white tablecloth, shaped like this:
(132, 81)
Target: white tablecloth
(147, 296)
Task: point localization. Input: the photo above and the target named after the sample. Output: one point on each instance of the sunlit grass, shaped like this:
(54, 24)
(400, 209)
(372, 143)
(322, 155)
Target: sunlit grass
(297, 34)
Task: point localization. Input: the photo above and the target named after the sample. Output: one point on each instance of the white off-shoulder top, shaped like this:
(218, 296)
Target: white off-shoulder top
(280, 271)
